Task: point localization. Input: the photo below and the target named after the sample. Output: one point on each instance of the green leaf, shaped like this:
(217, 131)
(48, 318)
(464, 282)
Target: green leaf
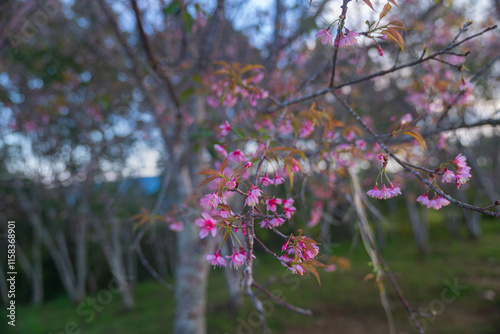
(188, 21)
(173, 9)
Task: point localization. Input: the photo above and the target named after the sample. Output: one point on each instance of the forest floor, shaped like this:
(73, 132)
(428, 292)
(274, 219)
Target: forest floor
(459, 280)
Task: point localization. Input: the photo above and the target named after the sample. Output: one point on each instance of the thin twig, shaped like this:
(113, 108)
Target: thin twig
(408, 169)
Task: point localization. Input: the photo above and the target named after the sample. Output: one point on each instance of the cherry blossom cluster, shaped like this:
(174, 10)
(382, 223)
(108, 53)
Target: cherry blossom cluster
(217, 217)
(436, 203)
(221, 93)
(461, 174)
(297, 250)
(383, 192)
(347, 39)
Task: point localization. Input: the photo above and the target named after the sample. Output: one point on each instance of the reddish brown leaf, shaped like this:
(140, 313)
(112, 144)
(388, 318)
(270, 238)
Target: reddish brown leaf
(385, 11)
(369, 4)
(210, 172)
(394, 3)
(207, 180)
(394, 34)
(223, 165)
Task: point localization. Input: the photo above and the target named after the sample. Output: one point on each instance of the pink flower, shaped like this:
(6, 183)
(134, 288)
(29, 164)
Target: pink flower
(460, 161)
(375, 192)
(384, 193)
(325, 36)
(209, 201)
(289, 208)
(380, 51)
(462, 176)
(448, 176)
(351, 37)
(221, 150)
(265, 223)
(306, 129)
(361, 144)
(443, 201)
(315, 214)
(437, 203)
(212, 101)
(330, 268)
(265, 180)
(394, 190)
(423, 199)
(176, 226)
(253, 196)
(207, 225)
(277, 179)
(231, 184)
(237, 258)
(216, 259)
(224, 214)
(276, 221)
(237, 156)
(271, 204)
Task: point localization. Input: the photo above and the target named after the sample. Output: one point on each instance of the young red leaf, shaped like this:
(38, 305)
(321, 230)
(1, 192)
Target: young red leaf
(394, 3)
(209, 172)
(396, 24)
(223, 165)
(207, 180)
(369, 4)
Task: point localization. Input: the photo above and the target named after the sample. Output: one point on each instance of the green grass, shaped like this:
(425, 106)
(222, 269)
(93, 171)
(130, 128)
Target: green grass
(344, 303)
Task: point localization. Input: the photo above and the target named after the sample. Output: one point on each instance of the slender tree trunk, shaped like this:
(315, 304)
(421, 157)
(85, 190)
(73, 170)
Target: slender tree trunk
(36, 251)
(111, 244)
(191, 274)
(59, 255)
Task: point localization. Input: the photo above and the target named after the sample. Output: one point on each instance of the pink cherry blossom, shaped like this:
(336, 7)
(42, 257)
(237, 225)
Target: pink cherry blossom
(325, 36)
(460, 161)
(288, 207)
(306, 129)
(448, 176)
(216, 259)
(265, 180)
(253, 196)
(237, 258)
(271, 204)
(207, 225)
(423, 199)
(237, 156)
(221, 150)
(278, 179)
(176, 226)
(277, 221)
(375, 192)
(210, 201)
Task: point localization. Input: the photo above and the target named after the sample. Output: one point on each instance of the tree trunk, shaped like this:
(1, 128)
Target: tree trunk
(191, 274)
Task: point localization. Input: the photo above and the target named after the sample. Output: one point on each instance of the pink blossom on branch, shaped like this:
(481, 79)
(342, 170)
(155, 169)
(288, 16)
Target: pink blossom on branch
(325, 36)
(237, 258)
(448, 176)
(237, 156)
(216, 259)
(210, 201)
(253, 196)
(207, 225)
(224, 128)
(272, 203)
